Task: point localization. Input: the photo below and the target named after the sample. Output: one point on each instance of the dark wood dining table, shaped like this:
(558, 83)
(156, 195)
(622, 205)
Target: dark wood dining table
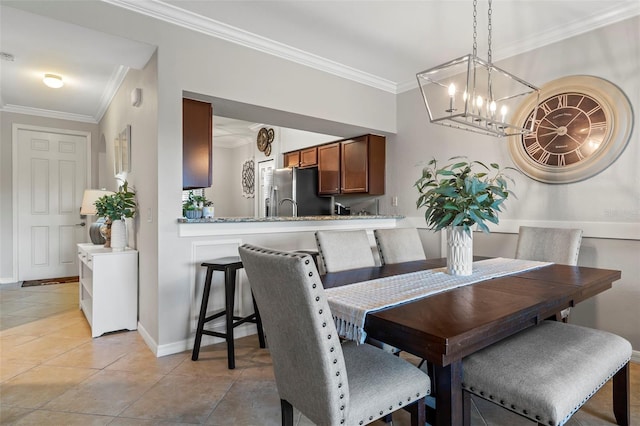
(445, 327)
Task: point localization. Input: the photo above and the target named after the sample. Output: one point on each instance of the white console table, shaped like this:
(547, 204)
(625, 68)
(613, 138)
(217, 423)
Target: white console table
(108, 290)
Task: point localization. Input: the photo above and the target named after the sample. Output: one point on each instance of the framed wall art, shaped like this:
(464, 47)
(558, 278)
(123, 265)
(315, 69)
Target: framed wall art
(122, 151)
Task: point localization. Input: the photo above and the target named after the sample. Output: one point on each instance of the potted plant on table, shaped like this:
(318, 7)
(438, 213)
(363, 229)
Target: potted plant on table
(115, 208)
(458, 197)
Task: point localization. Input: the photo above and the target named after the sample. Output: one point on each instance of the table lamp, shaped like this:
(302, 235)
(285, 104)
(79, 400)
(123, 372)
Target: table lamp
(88, 208)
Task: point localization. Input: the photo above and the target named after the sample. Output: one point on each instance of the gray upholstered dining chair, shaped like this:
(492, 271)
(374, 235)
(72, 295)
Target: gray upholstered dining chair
(558, 245)
(548, 371)
(328, 382)
(397, 245)
(343, 250)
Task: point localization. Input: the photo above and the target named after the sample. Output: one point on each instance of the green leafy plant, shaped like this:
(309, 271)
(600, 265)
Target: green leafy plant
(117, 206)
(456, 195)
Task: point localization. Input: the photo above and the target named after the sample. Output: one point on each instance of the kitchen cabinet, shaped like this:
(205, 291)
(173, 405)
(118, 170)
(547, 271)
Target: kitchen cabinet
(309, 157)
(352, 166)
(197, 134)
(362, 166)
(108, 290)
(292, 159)
(329, 169)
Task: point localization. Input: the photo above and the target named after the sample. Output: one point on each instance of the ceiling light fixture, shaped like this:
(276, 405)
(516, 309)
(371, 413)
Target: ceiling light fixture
(472, 94)
(53, 80)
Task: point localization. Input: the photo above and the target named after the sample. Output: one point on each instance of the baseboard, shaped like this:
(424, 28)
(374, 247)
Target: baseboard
(187, 345)
(148, 339)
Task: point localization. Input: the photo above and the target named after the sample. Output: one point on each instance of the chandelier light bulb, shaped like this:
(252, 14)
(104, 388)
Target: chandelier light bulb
(503, 112)
(452, 92)
(53, 80)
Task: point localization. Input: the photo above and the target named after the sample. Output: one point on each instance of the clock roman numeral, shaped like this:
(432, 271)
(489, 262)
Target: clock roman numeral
(546, 108)
(563, 100)
(599, 126)
(562, 161)
(544, 158)
(533, 148)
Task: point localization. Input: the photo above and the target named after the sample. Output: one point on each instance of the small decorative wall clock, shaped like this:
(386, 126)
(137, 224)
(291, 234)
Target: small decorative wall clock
(581, 126)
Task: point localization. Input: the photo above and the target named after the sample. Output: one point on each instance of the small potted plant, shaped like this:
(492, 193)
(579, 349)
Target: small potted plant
(207, 208)
(192, 207)
(115, 208)
(457, 197)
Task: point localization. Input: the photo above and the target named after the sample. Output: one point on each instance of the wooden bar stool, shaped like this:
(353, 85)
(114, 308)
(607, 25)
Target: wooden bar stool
(228, 265)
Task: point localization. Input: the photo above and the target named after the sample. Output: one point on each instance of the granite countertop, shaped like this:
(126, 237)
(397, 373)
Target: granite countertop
(285, 218)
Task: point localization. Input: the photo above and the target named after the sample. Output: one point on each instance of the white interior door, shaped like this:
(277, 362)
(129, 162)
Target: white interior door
(51, 178)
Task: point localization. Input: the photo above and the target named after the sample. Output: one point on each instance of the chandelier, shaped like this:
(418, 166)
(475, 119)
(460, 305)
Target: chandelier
(472, 94)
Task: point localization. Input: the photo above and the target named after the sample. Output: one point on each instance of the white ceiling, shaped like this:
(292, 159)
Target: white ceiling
(379, 43)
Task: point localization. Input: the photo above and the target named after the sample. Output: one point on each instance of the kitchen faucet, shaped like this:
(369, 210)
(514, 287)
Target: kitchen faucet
(293, 203)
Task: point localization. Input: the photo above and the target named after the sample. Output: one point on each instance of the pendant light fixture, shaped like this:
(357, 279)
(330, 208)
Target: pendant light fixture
(472, 94)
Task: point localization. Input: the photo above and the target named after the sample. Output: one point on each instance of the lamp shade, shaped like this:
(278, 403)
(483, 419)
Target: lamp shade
(89, 198)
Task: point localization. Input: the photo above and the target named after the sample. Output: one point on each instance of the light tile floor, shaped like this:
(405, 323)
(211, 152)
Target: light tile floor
(53, 373)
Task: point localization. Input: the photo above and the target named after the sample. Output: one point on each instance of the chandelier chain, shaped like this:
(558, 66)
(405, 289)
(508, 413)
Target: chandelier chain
(475, 27)
(489, 13)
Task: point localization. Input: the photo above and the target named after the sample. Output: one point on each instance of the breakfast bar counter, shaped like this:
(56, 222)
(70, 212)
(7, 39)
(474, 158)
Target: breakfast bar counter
(279, 224)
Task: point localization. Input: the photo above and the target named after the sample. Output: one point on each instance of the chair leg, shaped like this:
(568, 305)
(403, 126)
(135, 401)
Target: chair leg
(258, 323)
(203, 314)
(418, 413)
(621, 397)
(466, 408)
(287, 413)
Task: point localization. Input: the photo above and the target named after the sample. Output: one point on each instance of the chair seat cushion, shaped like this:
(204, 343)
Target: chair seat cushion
(546, 372)
(401, 381)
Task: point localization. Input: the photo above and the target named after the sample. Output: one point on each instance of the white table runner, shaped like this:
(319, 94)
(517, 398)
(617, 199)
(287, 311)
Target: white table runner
(351, 303)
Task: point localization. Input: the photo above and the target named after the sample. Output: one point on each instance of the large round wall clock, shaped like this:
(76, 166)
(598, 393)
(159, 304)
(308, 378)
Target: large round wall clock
(580, 127)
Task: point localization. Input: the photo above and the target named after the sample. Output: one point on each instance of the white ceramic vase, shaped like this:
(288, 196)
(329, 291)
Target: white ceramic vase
(118, 235)
(459, 251)
(207, 211)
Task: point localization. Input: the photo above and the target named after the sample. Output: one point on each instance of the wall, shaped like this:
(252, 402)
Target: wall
(143, 230)
(7, 119)
(606, 206)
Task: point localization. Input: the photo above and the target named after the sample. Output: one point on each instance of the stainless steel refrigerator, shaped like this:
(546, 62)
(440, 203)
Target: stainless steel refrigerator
(297, 189)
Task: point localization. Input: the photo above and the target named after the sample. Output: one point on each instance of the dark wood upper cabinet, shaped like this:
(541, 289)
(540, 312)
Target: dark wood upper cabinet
(352, 166)
(363, 165)
(309, 157)
(329, 169)
(292, 159)
(197, 122)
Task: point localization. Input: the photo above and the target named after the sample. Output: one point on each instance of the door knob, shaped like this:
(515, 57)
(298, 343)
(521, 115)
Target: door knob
(80, 224)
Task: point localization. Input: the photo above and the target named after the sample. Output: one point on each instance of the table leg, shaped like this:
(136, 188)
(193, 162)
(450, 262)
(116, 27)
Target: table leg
(449, 394)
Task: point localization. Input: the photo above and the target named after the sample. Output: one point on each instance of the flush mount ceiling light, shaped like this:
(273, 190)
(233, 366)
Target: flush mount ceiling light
(53, 80)
(472, 94)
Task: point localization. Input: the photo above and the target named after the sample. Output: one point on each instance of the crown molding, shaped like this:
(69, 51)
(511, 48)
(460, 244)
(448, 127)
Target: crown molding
(110, 90)
(184, 18)
(48, 113)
